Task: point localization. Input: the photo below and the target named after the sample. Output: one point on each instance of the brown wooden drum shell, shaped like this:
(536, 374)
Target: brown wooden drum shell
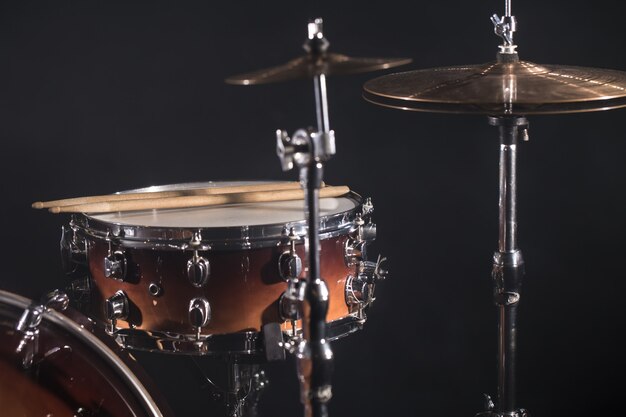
(68, 377)
(243, 289)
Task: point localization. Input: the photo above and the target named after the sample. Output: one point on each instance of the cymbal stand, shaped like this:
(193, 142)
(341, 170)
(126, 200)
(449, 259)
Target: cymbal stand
(308, 150)
(508, 264)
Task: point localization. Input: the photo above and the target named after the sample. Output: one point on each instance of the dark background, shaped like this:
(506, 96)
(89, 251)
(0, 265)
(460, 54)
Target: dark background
(101, 96)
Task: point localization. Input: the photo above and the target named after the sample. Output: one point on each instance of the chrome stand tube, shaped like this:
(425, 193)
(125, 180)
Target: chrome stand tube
(314, 355)
(321, 103)
(508, 268)
(308, 150)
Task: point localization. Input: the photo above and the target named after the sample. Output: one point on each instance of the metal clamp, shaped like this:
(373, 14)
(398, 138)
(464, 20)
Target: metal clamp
(316, 44)
(504, 27)
(304, 146)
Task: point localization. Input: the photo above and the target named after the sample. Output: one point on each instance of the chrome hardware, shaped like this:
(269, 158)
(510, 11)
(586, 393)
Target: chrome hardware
(359, 290)
(80, 289)
(73, 250)
(505, 27)
(360, 234)
(353, 252)
(289, 263)
(290, 303)
(489, 405)
(30, 320)
(199, 312)
(373, 270)
(155, 289)
(245, 343)
(82, 412)
(95, 228)
(198, 270)
(31, 317)
(115, 264)
(368, 207)
(293, 149)
(116, 307)
(303, 147)
(56, 300)
(361, 231)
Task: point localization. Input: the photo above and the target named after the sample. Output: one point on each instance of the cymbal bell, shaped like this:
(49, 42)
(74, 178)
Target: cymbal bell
(308, 66)
(501, 88)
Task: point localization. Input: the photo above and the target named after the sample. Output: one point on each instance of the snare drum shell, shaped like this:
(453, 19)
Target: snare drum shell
(243, 289)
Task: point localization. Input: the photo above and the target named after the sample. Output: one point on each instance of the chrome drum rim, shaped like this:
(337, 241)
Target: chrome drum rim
(239, 237)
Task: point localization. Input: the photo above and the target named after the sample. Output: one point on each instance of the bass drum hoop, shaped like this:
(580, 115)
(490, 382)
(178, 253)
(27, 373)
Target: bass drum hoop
(85, 336)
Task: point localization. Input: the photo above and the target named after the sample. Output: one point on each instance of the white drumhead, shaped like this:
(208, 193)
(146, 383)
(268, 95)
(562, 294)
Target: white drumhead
(250, 214)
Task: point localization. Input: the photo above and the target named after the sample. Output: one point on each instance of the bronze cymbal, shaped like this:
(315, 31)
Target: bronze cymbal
(501, 88)
(309, 65)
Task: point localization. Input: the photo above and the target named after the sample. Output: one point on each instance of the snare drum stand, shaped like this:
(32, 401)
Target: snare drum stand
(308, 150)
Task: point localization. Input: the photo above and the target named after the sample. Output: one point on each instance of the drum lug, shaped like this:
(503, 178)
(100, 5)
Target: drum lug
(116, 307)
(289, 263)
(73, 250)
(363, 231)
(199, 313)
(115, 264)
(198, 270)
(290, 302)
(360, 234)
(198, 267)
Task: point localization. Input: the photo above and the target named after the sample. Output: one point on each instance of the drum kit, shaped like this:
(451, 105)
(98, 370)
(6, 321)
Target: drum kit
(246, 272)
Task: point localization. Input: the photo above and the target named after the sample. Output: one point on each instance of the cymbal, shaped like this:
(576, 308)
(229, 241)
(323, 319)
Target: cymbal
(310, 65)
(501, 88)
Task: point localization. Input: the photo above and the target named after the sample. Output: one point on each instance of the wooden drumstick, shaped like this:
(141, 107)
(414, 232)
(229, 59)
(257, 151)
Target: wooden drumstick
(165, 194)
(197, 201)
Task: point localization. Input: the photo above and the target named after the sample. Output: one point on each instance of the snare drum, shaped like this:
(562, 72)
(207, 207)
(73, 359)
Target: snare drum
(206, 280)
(54, 364)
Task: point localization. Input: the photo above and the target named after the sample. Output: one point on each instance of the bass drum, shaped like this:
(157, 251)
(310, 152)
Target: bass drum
(59, 365)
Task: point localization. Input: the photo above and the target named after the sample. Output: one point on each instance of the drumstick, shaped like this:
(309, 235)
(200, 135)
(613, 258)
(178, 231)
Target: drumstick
(164, 194)
(197, 201)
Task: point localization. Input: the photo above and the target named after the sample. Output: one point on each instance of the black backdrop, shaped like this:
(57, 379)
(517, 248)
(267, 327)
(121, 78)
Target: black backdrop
(101, 96)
